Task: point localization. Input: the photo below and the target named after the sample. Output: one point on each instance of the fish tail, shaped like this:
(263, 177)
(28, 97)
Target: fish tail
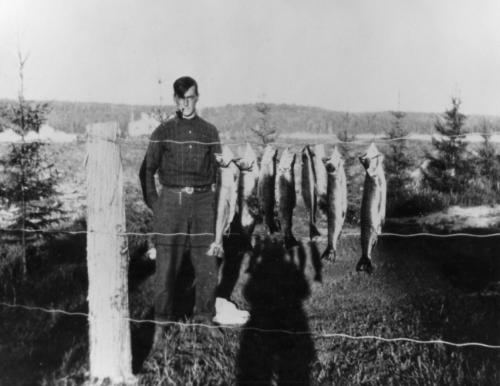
(273, 227)
(290, 241)
(364, 264)
(215, 250)
(329, 254)
(277, 223)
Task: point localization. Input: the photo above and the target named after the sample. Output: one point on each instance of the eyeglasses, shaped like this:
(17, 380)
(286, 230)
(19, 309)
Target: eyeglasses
(189, 98)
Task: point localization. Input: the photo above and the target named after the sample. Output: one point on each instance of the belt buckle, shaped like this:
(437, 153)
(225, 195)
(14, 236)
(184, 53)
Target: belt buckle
(189, 189)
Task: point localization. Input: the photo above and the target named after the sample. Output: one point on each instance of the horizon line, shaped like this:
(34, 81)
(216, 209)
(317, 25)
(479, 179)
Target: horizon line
(248, 104)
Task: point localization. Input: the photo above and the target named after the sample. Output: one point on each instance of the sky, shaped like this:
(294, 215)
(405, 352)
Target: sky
(344, 55)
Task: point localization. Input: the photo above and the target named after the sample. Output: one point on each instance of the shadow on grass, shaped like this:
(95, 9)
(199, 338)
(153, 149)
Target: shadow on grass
(451, 281)
(40, 343)
(468, 264)
(236, 245)
(275, 291)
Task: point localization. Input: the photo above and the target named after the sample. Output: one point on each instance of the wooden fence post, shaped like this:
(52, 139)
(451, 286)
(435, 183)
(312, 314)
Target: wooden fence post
(107, 259)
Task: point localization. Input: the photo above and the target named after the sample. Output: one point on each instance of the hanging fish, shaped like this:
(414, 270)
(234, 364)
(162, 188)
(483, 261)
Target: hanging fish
(248, 208)
(227, 194)
(320, 175)
(286, 196)
(266, 186)
(336, 201)
(372, 205)
(309, 190)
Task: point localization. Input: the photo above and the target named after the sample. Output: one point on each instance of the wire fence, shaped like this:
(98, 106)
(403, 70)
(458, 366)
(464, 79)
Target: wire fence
(314, 334)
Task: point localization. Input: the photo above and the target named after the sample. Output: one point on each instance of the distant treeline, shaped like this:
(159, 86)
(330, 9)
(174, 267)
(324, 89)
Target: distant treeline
(235, 120)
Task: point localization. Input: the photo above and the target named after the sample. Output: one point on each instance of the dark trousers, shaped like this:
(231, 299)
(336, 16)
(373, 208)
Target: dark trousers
(187, 215)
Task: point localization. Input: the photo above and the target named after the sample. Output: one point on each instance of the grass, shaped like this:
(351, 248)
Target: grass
(417, 291)
(422, 288)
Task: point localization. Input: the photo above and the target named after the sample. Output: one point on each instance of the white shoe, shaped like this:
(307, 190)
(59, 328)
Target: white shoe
(151, 253)
(227, 307)
(230, 320)
(233, 310)
(227, 313)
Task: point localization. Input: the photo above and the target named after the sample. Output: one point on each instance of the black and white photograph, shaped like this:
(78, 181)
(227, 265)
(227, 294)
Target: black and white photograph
(228, 192)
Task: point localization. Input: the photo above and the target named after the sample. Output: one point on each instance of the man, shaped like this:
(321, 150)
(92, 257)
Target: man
(182, 151)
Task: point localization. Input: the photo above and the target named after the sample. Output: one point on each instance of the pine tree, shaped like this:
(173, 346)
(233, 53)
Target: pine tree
(345, 138)
(351, 167)
(488, 165)
(397, 163)
(449, 170)
(344, 135)
(264, 130)
(29, 178)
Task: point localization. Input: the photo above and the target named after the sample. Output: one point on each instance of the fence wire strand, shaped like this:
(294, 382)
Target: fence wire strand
(147, 234)
(314, 334)
(334, 140)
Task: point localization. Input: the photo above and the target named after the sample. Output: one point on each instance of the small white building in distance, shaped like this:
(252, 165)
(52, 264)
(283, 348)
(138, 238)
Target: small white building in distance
(143, 126)
(45, 134)
(48, 133)
(9, 135)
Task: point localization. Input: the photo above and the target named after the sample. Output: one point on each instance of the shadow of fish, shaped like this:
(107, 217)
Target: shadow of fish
(336, 201)
(266, 186)
(372, 205)
(286, 196)
(227, 194)
(308, 184)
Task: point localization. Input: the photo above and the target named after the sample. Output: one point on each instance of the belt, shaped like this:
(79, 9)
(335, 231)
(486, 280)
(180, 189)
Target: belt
(192, 189)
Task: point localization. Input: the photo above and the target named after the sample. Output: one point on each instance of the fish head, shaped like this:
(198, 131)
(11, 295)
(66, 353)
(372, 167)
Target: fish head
(287, 161)
(372, 160)
(334, 162)
(225, 158)
(247, 163)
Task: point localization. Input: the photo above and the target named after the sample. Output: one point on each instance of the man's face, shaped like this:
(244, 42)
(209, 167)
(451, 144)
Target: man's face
(187, 104)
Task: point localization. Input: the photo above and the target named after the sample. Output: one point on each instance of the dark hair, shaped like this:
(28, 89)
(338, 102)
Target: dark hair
(183, 84)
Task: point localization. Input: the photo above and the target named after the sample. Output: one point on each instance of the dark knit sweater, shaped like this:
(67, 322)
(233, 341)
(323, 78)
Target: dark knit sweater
(189, 163)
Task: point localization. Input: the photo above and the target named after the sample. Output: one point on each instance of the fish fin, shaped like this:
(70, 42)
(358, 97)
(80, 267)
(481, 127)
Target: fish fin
(313, 231)
(364, 264)
(329, 254)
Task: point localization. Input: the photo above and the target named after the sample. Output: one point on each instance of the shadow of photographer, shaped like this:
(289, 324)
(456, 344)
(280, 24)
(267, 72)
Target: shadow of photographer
(276, 345)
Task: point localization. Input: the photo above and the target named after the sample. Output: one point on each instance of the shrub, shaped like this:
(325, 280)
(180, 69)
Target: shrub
(397, 161)
(417, 203)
